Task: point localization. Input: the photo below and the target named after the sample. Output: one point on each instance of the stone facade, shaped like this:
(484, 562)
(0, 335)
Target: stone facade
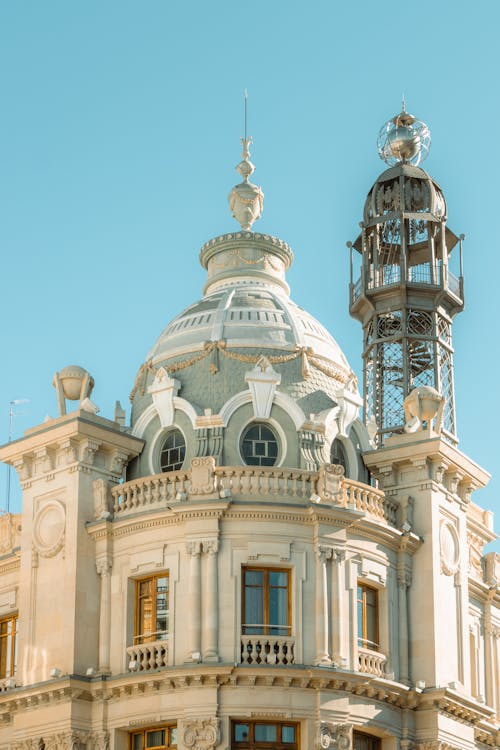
(254, 593)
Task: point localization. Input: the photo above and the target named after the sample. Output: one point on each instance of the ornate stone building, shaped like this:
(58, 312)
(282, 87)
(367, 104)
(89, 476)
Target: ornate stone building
(254, 562)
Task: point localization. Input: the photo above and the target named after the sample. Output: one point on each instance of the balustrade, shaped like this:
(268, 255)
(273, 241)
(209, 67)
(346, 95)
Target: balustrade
(267, 649)
(372, 662)
(144, 657)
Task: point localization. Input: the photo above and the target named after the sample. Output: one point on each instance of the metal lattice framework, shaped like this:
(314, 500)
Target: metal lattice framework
(406, 296)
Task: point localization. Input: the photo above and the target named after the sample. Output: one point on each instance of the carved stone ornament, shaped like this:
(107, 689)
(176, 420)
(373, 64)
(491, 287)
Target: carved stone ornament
(103, 501)
(329, 484)
(49, 528)
(10, 528)
(335, 736)
(163, 391)
(262, 381)
(450, 552)
(424, 404)
(201, 734)
(203, 480)
(68, 740)
(349, 403)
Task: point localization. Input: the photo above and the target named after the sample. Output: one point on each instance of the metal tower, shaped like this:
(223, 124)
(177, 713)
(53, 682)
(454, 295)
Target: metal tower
(406, 296)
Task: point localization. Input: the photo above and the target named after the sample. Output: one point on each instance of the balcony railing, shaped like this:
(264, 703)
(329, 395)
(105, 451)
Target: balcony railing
(250, 483)
(267, 649)
(372, 662)
(423, 273)
(144, 657)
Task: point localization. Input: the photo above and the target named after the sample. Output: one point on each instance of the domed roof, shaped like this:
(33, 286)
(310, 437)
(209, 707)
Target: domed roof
(251, 315)
(416, 192)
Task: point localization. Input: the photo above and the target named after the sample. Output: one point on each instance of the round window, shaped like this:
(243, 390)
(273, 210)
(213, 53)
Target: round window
(259, 445)
(173, 451)
(338, 455)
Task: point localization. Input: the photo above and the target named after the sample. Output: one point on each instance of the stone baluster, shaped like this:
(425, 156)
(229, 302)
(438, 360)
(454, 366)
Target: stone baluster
(211, 602)
(322, 653)
(193, 549)
(103, 565)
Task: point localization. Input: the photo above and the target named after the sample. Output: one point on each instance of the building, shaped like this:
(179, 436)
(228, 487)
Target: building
(249, 564)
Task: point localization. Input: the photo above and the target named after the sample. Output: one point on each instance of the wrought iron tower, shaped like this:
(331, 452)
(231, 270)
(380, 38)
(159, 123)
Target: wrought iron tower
(406, 295)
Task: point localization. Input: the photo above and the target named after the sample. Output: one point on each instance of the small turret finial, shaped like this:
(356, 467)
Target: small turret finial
(246, 200)
(404, 139)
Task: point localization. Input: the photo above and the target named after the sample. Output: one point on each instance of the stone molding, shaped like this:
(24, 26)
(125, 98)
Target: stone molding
(201, 734)
(262, 382)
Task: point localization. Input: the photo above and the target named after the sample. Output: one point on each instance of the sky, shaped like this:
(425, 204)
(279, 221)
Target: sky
(119, 133)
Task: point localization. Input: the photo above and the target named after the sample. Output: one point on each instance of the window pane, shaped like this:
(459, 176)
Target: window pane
(288, 734)
(156, 738)
(278, 607)
(254, 614)
(254, 577)
(241, 733)
(278, 578)
(173, 735)
(265, 733)
(137, 742)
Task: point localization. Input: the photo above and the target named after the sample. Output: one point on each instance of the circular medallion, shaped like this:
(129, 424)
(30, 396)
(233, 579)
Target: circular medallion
(49, 525)
(449, 549)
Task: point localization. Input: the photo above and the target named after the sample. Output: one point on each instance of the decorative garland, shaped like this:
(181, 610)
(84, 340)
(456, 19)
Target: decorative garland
(309, 357)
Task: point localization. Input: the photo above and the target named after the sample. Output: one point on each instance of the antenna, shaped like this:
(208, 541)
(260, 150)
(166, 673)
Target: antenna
(403, 102)
(246, 111)
(12, 414)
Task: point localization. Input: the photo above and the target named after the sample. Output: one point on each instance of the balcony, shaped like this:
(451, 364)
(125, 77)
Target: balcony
(422, 274)
(372, 662)
(250, 483)
(144, 657)
(267, 649)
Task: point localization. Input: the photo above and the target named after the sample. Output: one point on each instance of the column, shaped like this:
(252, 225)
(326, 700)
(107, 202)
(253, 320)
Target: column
(194, 628)
(322, 654)
(404, 580)
(211, 603)
(490, 674)
(103, 566)
(338, 557)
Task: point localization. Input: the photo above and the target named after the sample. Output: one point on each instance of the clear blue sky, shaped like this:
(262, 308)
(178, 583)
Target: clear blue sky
(119, 133)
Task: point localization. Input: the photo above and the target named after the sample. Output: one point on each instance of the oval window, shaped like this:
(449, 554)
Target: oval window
(259, 445)
(173, 451)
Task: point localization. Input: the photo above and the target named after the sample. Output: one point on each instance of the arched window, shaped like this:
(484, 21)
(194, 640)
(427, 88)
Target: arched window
(338, 455)
(173, 451)
(259, 445)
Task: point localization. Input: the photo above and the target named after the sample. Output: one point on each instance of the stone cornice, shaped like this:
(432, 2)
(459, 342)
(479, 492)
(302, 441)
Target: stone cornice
(97, 689)
(10, 563)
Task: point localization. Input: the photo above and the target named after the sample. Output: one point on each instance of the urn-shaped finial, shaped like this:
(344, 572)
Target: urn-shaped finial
(246, 200)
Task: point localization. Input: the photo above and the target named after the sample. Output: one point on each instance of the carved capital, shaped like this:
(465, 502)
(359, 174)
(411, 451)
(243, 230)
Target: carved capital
(210, 546)
(201, 734)
(104, 565)
(118, 461)
(90, 448)
(323, 553)
(338, 554)
(69, 449)
(193, 548)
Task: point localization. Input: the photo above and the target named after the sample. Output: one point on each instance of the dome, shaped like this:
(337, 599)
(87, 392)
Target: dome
(405, 188)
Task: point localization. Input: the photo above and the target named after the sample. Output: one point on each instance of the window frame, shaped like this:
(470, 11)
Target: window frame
(274, 431)
(363, 640)
(11, 648)
(140, 638)
(252, 744)
(168, 727)
(161, 447)
(266, 627)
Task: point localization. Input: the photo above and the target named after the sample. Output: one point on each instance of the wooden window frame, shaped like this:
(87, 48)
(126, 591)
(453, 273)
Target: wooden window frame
(12, 647)
(251, 744)
(363, 640)
(167, 727)
(140, 637)
(266, 627)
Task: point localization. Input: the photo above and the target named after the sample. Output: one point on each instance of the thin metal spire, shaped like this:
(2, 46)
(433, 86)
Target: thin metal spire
(246, 111)
(403, 102)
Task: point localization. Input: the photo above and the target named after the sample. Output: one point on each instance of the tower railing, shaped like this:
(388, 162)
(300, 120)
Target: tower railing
(428, 274)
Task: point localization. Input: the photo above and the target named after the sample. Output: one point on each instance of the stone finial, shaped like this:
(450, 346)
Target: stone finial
(246, 200)
(74, 384)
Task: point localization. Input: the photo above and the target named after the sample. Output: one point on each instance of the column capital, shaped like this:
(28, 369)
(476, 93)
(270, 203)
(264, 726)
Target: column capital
(210, 546)
(104, 565)
(194, 548)
(323, 552)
